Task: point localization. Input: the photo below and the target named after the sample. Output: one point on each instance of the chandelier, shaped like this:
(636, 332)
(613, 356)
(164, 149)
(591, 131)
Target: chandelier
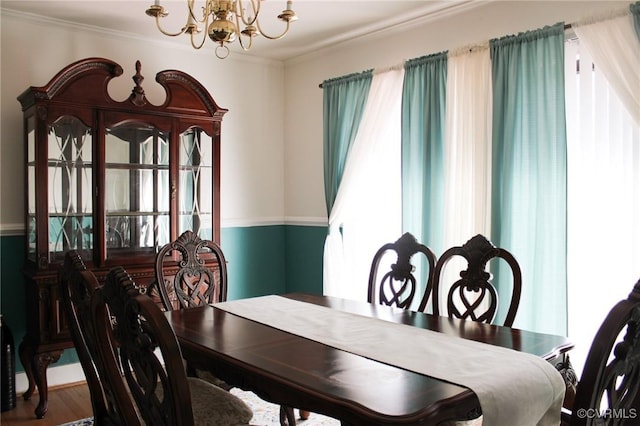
(221, 20)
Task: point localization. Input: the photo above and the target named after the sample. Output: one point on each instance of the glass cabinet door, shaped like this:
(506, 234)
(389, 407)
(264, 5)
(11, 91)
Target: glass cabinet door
(137, 189)
(196, 183)
(70, 187)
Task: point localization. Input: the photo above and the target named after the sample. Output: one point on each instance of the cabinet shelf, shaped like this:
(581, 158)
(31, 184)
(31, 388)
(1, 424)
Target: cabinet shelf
(70, 214)
(135, 214)
(130, 166)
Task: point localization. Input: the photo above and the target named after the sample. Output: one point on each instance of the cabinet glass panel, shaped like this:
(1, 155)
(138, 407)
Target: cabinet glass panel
(137, 189)
(31, 189)
(70, 188)
(196, 183)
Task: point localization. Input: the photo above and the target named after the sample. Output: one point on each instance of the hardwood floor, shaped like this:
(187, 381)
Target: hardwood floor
(66, 403)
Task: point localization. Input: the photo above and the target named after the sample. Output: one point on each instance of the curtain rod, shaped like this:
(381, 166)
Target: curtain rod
(566, 27)
(620, 12)
(381, 70)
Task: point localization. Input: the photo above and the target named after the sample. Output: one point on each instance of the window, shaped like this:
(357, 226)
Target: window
(603, 199)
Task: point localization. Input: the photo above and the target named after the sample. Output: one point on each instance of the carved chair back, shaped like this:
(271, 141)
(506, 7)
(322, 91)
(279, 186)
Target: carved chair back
(190, 272)
(397, 285)
(77, 285)
(610, 381)
(473, 296)
(126, 319)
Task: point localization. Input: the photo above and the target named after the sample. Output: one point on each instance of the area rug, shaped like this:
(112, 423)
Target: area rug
(264, 413)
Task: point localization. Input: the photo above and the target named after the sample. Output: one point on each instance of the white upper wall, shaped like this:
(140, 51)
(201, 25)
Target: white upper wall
(252, 188)
(473, 24)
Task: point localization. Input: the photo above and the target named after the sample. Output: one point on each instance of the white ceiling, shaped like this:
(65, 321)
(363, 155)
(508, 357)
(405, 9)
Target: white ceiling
(321, 23)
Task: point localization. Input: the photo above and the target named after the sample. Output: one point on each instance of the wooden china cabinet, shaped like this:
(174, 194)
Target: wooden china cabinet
(114, 180)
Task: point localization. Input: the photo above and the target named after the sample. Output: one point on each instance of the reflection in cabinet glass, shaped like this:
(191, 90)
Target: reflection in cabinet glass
(114, 181)
(137, 185)
(70, 186)
(196, 167)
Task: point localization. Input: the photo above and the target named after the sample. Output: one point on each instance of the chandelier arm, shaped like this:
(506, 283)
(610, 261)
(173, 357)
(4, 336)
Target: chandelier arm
(205, 12)
(240, 11)
(166, 32)
(245, 48)
(205, 21)
(240, 35)
(191, 19)
(278, 37)
(193, 43)
(191, 14)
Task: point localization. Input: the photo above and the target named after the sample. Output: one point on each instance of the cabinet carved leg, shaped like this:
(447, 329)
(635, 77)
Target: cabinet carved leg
(35, 367)
(26, 353)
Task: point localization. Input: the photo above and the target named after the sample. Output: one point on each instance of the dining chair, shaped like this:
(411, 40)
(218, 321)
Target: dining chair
(190, 272)
(608, 392)
(77, 284)
(473, 296)
(142, 358)
(396, 284)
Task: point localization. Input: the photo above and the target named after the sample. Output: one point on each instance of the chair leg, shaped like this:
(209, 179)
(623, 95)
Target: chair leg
(287, 416)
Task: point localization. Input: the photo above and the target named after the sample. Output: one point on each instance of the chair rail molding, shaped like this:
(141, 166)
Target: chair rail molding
(12, 230)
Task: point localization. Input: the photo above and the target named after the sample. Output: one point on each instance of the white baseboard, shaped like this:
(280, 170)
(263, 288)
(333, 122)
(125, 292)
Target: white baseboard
(56, 376)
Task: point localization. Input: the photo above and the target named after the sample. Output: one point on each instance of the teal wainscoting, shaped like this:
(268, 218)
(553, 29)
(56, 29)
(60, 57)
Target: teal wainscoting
(12, 299)
(262, 260)
(255, 260)
(304, 247)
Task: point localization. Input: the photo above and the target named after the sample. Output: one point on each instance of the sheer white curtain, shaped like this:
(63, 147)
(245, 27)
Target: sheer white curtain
(467, 151)
(603, 198)
(367, 210)
(468, 145)
(615, 49)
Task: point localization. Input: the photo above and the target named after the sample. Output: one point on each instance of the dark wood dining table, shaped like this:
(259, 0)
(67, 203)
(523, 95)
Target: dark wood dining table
(294, 371)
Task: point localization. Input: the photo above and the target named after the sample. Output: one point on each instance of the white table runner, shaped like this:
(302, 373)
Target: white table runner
(514, 388)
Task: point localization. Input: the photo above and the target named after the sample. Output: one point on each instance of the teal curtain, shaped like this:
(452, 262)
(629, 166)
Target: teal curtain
(529, 183)
(344, 99)
(635, 14)
(423, 126)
